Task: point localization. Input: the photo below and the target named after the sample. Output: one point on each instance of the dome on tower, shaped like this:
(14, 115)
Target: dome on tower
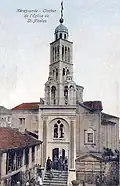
(61, 28)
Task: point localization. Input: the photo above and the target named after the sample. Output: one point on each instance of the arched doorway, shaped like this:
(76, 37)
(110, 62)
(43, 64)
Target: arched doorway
(55, 152)
(63, 154)
(58, 153)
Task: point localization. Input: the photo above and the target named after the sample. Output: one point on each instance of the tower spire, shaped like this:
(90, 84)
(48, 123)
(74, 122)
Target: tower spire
(61, 18)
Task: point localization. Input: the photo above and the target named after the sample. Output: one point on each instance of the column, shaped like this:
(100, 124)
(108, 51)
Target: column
(30, 158)
(3, 164)
(44, 154)
(23, 168)
(72, 152)
(72, 145)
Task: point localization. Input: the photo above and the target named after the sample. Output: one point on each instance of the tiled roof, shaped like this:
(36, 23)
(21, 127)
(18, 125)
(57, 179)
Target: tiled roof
(11, 138)
(27, 106)
(94, 105)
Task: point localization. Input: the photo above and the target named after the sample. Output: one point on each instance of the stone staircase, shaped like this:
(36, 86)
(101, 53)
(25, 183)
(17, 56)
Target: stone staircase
(59, 178)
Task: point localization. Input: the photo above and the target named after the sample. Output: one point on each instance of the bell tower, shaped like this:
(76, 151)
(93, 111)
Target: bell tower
(60, 88)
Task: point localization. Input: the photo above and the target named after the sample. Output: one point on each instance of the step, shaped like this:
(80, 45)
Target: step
(56, 181)
(54, 184)
(57, 175)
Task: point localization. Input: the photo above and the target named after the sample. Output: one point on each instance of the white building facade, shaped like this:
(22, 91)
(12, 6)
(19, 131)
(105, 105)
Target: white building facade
(68, 126)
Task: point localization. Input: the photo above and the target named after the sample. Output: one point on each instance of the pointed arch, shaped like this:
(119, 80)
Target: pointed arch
(61, 131)
(60, 35)
(65, 53)
(56, 36)
(67, 72)
(56, 130)
(64, 36)
(63, 71)
(56, 74)
(62, 52)
(53, 94)
(55, 53)
(66, 94)
(53, 50)
(58, 52)
(68, 54)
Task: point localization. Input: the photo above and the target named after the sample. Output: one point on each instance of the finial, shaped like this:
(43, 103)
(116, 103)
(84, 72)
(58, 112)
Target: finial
(61, 19)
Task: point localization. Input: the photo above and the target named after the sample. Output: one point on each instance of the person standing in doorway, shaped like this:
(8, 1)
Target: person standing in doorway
(49, 164)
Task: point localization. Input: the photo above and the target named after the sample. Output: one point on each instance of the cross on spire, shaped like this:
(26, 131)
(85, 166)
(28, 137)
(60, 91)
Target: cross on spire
(61, 19)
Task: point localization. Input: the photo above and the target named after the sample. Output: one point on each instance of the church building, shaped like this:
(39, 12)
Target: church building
(67, 125)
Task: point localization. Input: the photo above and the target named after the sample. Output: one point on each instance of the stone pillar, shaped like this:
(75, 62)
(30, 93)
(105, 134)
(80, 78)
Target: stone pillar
(44, 154)
(36, 154)
(3, 164)
(30, 157)
(23, 158)
(40, 124)
(72, 153)
(72, 144)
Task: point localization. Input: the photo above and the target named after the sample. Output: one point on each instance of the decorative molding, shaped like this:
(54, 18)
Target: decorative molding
(72, 118)
(45, 117)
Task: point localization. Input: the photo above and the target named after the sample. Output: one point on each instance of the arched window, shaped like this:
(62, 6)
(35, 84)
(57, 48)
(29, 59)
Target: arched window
(66, 94)
(53, 94)
(68, 54)
(53, 53)
(63, 71)
(68, 72)
(53, 73)
(58, 52)
(55, 131)
(71, 87)
(64, 36)
(62, 52)
(56, 73)
(65, 53)
(60, 35)
(61, 131)
(56, 36)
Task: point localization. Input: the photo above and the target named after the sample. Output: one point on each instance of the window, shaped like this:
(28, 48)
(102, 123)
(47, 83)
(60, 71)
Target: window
(62, 52)
(67, 72)
(60, 35)
(61, 131)
(53, 94)
(65, 53)
(89, 136)
(9, 119)
(64, 36)
(22, 121)
(58, 52)
(66, 94)
(63, 71)
(68, 54)
(53, 53)
(56, 37)
(56, 73)
(55, 131)
(58, 130)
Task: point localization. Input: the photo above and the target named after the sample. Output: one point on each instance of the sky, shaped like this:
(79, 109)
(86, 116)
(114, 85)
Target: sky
(94, 28)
